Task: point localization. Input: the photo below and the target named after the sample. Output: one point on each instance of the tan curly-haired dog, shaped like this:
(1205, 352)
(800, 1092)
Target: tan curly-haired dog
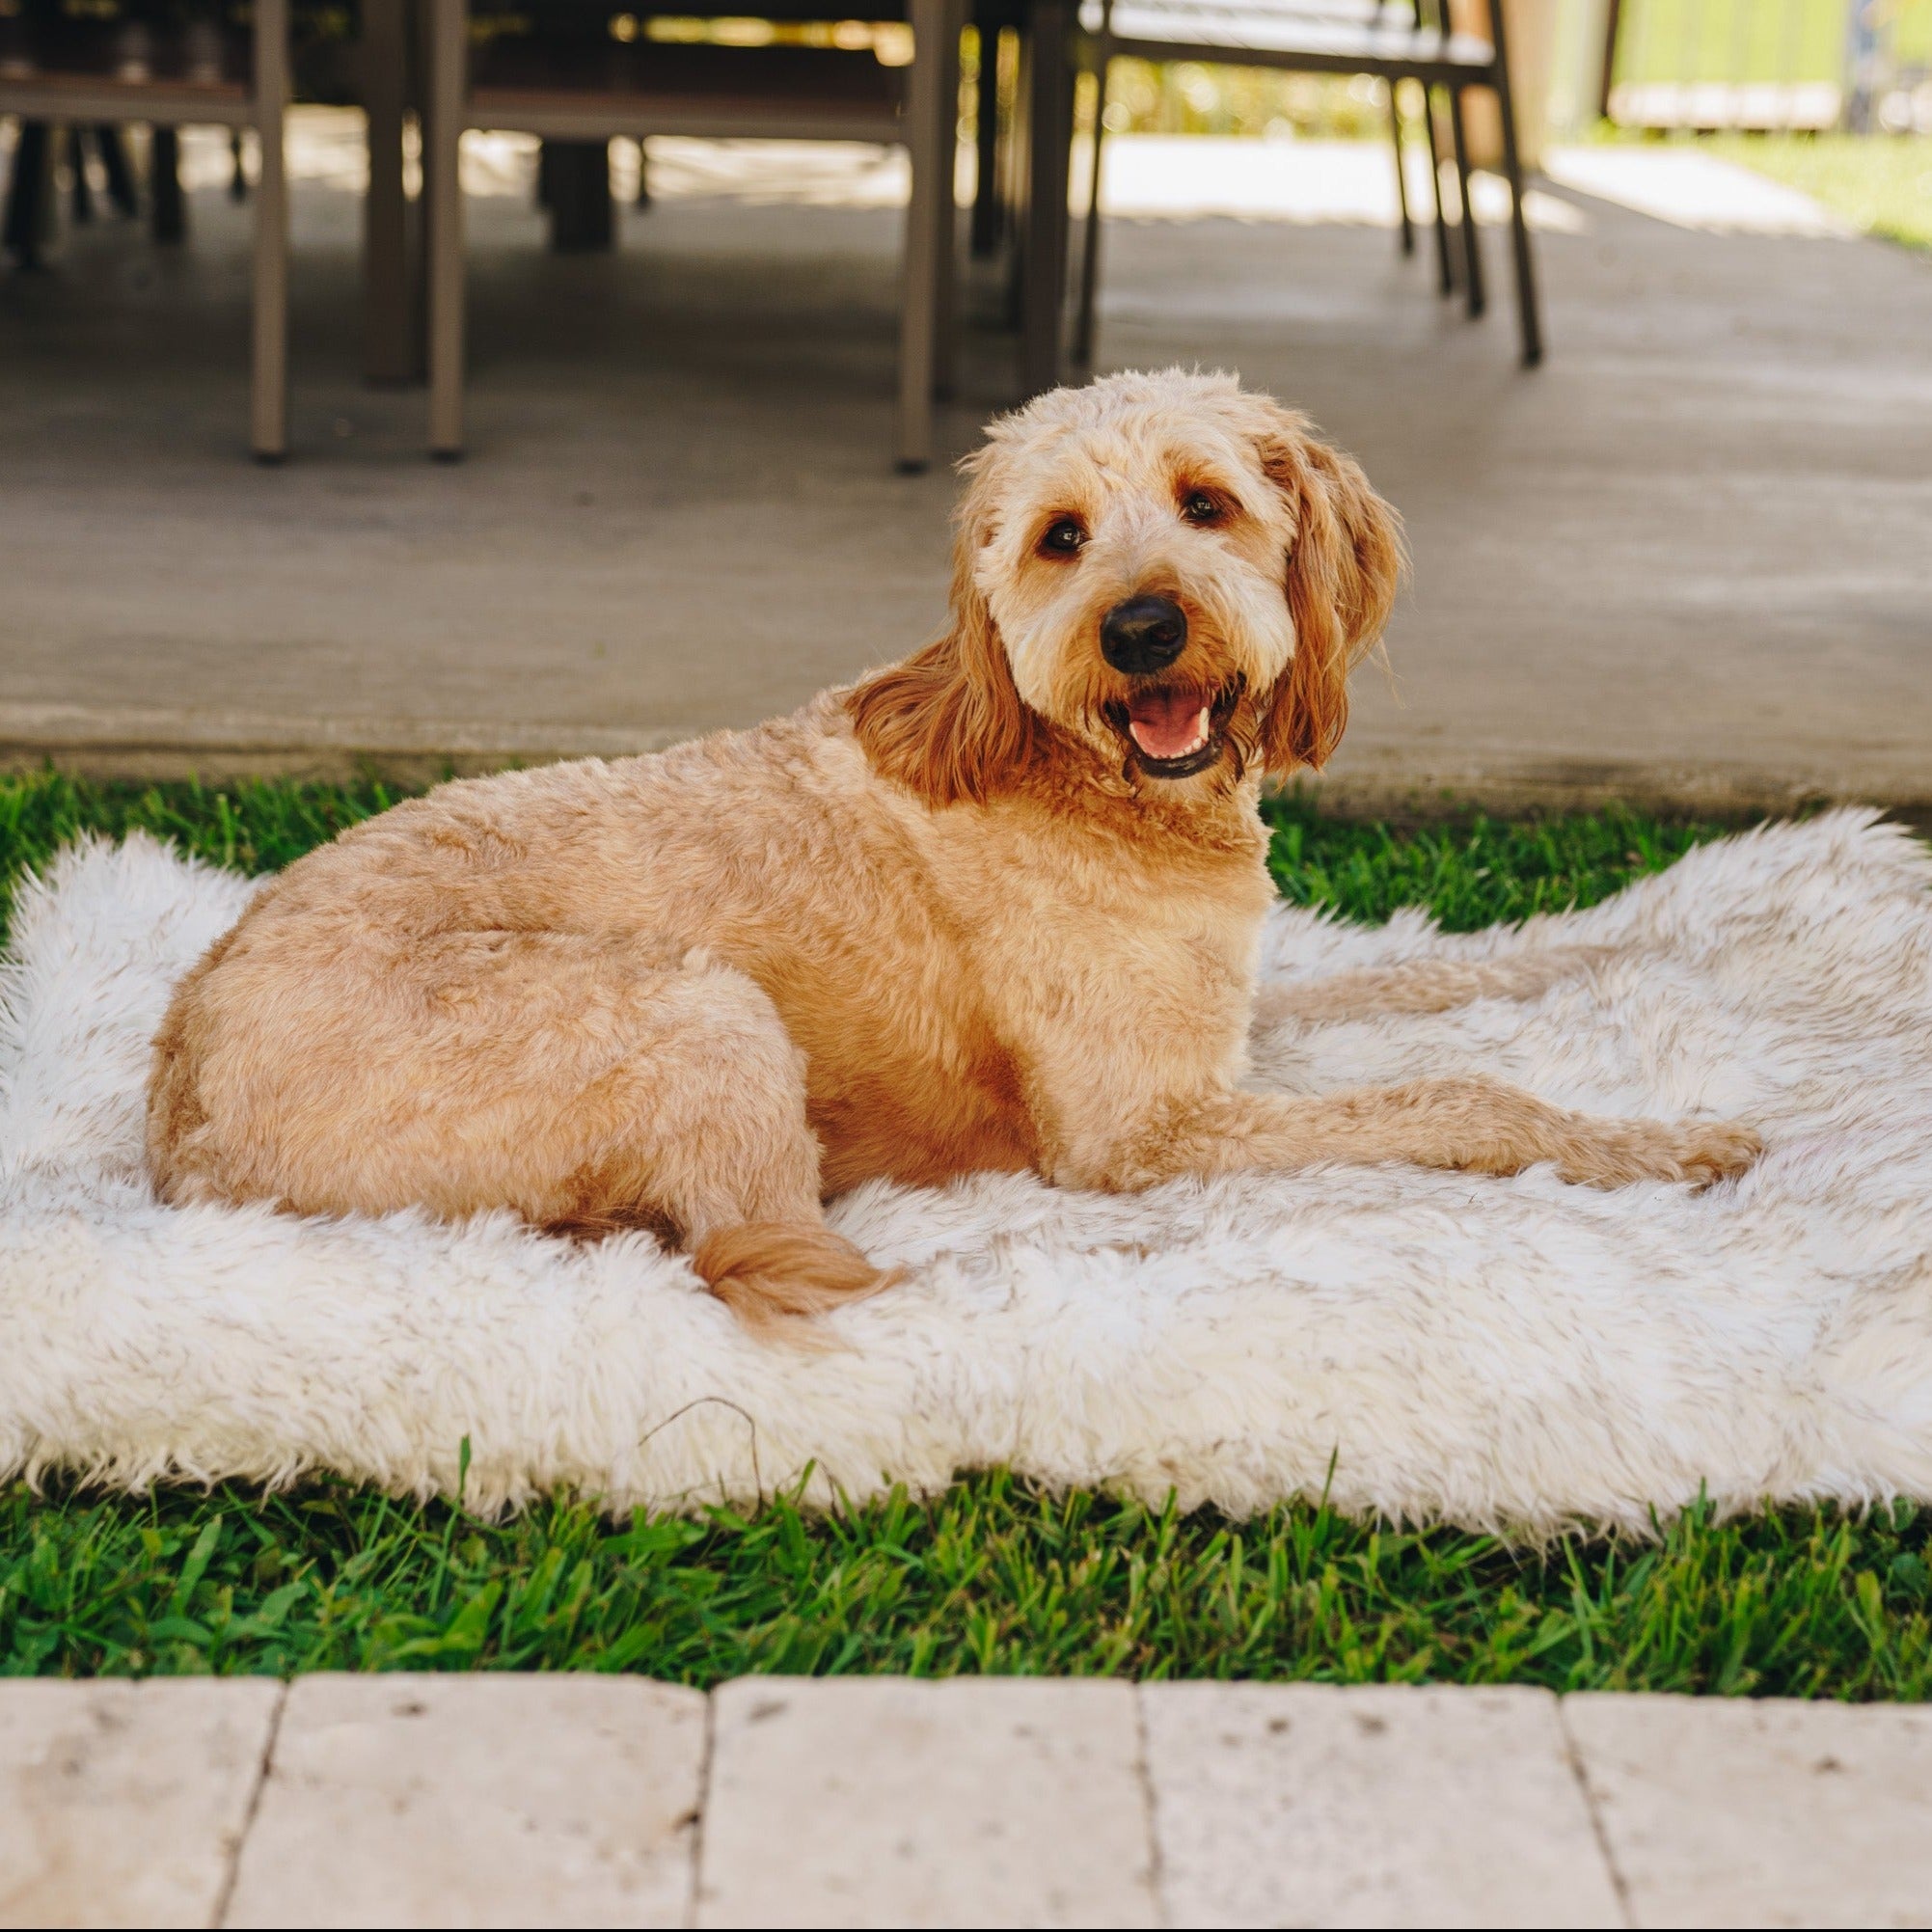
(997, 907)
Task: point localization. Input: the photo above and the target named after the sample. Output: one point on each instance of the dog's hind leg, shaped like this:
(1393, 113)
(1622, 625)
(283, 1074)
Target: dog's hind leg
(588, 1083)
(1422, 986)
(700, 1132)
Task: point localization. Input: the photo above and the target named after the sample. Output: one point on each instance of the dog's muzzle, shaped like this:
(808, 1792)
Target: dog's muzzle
(1144, 634)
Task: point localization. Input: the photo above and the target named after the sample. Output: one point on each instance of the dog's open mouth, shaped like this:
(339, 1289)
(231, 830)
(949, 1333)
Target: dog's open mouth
(1174, 729)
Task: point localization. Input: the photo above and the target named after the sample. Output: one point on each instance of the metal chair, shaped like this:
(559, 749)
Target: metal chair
(87, 72)
(1394, 39)
(598, 90)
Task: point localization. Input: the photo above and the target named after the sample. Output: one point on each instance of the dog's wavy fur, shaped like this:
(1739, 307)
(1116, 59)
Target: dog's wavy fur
(951, 920)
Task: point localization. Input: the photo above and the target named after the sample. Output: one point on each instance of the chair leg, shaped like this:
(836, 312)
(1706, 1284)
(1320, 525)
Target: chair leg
(114, 163)
(1471, 257)
(166, 205)
(1407, 227)
(1529, 322)
(442, 190)
(1090, 232)
(643, 195)
(1445, 262)
(26, 196)
(80, 190)
(269, 406)
(989, 225)
(237, 176)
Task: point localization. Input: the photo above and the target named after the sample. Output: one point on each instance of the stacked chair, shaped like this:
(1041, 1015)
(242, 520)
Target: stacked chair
(1395, 40)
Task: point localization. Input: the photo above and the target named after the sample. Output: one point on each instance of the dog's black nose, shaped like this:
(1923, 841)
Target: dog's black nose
(1144, 634)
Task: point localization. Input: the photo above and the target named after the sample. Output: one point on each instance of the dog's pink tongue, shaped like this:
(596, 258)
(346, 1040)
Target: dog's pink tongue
(1167, 724)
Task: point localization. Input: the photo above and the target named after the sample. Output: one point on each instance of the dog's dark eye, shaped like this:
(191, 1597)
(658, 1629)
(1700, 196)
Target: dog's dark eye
(1200, 508)
(1064, 537)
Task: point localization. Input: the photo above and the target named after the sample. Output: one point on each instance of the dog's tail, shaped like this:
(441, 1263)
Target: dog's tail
(771, 1273)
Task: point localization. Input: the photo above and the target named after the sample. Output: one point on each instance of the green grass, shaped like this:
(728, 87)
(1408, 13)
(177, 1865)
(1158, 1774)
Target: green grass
(1745, 40)
(1881, 183)
(992, 1576)
(257, 827)
(1469, 874)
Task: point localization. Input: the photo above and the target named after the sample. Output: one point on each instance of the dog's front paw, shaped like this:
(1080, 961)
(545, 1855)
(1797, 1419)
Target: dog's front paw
(1719, 1150)
(1703, 1153)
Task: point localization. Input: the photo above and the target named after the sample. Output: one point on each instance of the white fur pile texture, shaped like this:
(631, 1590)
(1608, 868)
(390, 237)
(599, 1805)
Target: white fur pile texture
(1514, 1353)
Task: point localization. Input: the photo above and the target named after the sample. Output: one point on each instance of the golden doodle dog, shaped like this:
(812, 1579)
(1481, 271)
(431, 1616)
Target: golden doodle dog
(997, 907)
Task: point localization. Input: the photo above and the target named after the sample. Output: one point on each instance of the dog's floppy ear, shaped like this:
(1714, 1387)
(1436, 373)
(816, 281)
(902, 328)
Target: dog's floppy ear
(1343, 571)
(950, 722)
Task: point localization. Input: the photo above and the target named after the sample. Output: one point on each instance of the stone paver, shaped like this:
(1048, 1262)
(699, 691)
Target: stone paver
(1723, 1811)
(881, 1801)
(497, 1800)
(1308, 1804)
(491, 1800)
(123, 1804)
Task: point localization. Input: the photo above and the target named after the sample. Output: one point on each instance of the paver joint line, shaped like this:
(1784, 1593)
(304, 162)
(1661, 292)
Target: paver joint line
(263, 1771)
(1143, 1773)
(1578, 1770)
(691, 1900)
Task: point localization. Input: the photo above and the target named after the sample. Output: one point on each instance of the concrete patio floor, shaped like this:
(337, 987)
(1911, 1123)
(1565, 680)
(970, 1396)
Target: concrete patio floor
(1685, 563)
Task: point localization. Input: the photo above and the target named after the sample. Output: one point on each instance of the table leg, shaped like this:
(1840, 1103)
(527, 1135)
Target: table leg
(25, 220)
(926, 124)
(945, 265)
(388, 352)
(988, 228)
(112, 140)
(583, 216)
(270, 404)
(1013, 184)
(1049, 116)
(445, 89)
(167, 205)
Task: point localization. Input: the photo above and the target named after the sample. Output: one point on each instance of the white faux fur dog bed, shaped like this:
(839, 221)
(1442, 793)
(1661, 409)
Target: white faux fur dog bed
(1493, 1352)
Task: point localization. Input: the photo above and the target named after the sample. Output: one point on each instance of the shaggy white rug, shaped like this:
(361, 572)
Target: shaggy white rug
(1517, 1353)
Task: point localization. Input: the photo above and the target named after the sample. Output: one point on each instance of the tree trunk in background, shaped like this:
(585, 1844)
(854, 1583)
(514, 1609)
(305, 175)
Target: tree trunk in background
(1862, 65)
